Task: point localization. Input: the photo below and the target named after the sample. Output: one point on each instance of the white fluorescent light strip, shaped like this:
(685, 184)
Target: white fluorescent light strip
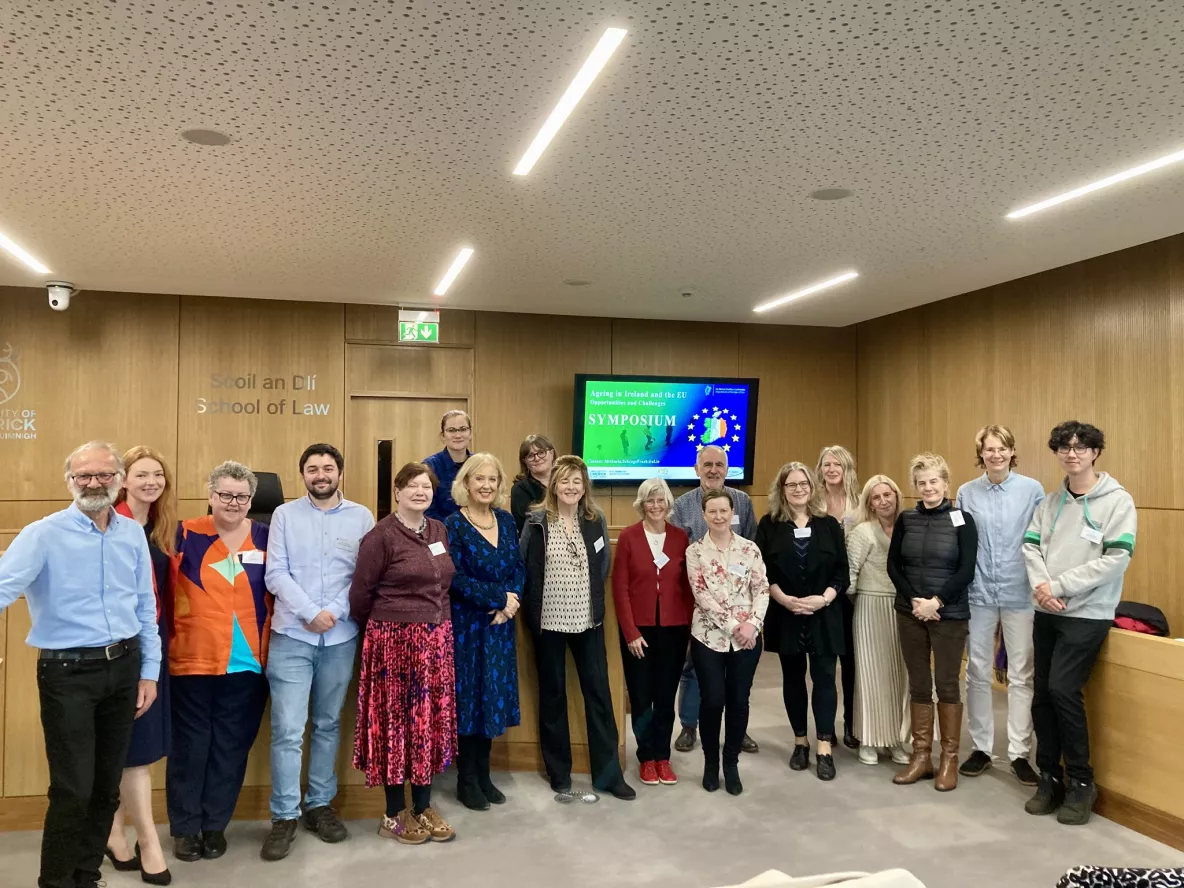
(596, 61)
(813, 288)
(19, 252)
(1096, 186)
(453, 270)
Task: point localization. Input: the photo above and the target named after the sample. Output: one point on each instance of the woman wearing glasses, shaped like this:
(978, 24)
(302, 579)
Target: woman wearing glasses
(807, 560)
(217, 656)
(536, 457)
(456, 430)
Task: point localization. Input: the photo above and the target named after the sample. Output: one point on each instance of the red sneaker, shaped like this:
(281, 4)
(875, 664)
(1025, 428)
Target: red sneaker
(666, 773)
(649, 774)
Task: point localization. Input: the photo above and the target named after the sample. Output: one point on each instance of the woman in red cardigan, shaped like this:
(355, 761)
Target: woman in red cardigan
(654, 606)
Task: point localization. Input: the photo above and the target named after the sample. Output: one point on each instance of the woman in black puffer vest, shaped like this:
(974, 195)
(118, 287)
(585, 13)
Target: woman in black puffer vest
(931, 562)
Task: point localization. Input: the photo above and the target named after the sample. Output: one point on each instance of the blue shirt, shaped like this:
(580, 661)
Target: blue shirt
(1002, 513)
(446, 469)
(311, 556)
(85, 588)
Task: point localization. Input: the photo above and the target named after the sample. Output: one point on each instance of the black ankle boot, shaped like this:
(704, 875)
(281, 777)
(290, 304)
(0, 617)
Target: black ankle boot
(710, 771)
(732, 779)
(468, 792)
(492, 794)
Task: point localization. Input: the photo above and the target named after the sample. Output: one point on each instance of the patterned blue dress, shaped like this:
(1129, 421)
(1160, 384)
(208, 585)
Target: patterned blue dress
(486, 660)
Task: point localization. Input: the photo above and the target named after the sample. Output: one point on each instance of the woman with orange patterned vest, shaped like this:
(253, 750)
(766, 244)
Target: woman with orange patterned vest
(218, 653)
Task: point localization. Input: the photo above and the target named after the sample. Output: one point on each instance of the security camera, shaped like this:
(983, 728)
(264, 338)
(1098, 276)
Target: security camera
(59, 294)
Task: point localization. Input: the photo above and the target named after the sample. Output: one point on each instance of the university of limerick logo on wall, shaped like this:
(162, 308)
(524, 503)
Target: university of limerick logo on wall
(10, 373)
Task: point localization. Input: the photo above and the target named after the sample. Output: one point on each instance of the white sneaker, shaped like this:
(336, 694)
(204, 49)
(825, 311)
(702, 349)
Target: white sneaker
(868, 755)
(900, 755)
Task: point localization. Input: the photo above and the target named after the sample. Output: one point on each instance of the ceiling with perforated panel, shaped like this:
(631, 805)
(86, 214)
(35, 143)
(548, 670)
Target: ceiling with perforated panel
(370, 140)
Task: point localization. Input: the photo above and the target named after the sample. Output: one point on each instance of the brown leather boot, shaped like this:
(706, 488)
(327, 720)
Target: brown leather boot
(920, 766)
(949, 720)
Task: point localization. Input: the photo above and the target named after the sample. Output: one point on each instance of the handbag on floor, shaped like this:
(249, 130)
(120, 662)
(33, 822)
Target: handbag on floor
(893, 878)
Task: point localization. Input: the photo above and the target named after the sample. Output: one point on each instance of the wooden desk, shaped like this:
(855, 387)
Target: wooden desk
(1135, 700)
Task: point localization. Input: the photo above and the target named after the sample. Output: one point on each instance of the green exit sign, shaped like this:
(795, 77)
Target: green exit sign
(415, 331)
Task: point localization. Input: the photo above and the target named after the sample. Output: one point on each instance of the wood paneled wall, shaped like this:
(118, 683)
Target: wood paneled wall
(1101, 341)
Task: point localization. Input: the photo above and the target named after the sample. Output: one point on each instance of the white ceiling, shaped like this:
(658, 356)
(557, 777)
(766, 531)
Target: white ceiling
(372, 139)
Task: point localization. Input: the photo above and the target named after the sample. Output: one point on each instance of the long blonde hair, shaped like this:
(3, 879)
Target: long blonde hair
(865, 499)
(564, 466)
(163, 513)
(850, 480)
(778, 505)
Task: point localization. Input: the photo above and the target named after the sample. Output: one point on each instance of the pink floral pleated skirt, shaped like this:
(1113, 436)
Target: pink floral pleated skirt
(406, 703)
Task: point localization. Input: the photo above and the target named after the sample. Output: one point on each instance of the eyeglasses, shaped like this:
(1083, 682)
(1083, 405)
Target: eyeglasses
(797, 485)
(536, 455)
(227, 498)
(995, 451)
(84, 479)
(451, 431)
(1079, 450)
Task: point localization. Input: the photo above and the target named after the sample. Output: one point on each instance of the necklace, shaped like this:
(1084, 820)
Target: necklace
(473, 521)
(423, 524)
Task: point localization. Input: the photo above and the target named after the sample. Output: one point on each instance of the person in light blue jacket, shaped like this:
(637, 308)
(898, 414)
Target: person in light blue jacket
(1002, 502)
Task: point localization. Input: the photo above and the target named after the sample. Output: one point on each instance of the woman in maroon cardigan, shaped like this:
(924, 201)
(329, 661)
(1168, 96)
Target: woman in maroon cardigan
(654, 606)
(406, 729)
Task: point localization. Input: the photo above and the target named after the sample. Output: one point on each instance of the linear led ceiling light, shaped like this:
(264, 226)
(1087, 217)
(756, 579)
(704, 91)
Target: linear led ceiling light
(20, 253)
(596, 61)
(1097, 186)
(453, 270)
(813, 288)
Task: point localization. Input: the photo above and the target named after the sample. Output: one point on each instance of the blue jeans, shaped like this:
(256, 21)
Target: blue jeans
(297, 671)
(688, 695)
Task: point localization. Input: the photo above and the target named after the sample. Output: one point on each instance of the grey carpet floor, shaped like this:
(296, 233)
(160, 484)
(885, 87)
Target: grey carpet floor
(681, 837)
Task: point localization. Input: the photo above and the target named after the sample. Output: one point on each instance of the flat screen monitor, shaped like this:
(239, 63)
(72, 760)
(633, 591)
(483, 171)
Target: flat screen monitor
(630, 428)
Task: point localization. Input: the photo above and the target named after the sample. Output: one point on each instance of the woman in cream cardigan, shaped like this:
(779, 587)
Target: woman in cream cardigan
(881, 684)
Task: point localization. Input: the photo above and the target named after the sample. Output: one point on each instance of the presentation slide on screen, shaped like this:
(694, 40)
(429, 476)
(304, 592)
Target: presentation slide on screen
(633, 429)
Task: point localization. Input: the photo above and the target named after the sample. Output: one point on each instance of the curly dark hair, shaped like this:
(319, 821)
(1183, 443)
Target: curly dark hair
(1086, 435)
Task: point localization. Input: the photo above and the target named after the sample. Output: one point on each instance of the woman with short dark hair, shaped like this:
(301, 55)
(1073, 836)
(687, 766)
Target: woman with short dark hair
(536, 458)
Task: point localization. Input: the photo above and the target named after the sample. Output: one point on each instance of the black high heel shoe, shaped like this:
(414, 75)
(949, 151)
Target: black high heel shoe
(124, 866)
(164, 877)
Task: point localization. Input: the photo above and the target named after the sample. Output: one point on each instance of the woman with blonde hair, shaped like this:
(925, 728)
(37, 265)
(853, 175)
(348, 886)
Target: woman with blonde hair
(881, 686)
(654, 607)
(566, 549)
(486, 589)
(149, 496)
(931, 563)
(836, 473)
(806, 557)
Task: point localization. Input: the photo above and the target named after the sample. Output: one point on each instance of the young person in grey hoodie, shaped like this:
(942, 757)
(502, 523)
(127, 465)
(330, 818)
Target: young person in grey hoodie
(1076, 550)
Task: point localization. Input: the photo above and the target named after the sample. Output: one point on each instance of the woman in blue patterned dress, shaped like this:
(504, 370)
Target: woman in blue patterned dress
(486, 591)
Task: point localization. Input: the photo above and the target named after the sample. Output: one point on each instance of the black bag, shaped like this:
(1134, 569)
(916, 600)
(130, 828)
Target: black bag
(1147, 614)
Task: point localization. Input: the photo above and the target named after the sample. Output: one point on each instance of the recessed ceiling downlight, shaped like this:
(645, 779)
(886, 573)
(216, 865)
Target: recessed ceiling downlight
(831, 193)
(576, 282)
(205, 137)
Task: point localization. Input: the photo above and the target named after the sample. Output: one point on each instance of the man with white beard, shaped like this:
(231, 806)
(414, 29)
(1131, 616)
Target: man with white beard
(87, 577)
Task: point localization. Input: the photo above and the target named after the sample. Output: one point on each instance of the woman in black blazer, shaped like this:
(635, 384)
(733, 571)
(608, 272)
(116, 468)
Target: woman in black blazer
(806, 559)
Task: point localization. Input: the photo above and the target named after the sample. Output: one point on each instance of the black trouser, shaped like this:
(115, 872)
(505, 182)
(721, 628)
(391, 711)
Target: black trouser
(587, 649)
(1064, 650)
(215, 721)
(87, 711)
(825, 698)
(847, 662)
(945, 640)
(725, 680)
(652, 681)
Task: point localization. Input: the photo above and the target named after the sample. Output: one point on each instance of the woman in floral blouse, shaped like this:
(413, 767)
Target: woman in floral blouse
(731, 591)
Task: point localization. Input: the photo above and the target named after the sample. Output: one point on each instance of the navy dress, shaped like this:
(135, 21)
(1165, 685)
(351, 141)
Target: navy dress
(486, 661)
(446, 469)
(152, 733)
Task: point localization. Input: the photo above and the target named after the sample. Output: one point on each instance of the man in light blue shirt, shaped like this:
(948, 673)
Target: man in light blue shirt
(1002, 503)
(311, 554)
(87, 577)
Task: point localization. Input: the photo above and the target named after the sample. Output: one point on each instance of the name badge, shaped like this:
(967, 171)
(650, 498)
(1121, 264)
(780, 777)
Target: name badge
(1088, 533)
(737, 570)
(956, 518)
(256, 556)
(802, 533)
(437, 548)
(599, 544)
(347, 545)
(661, 560)
(736, 520)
